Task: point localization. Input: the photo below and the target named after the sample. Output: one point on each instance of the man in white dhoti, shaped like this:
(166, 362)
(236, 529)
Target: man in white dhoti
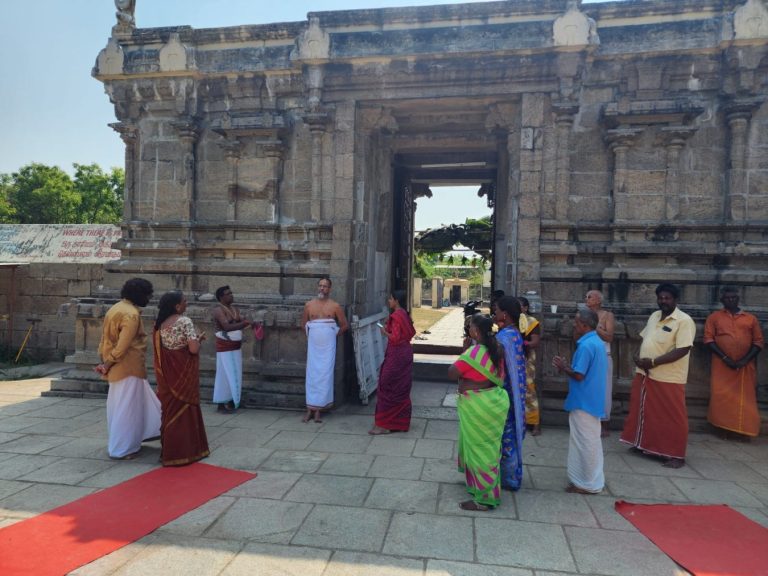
(228, 326)
(133, 409)
(605, 327)
(586, 404)
(323, 320)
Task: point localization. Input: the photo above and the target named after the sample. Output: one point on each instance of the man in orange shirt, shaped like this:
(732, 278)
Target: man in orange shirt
(133, 409)
(735, 339)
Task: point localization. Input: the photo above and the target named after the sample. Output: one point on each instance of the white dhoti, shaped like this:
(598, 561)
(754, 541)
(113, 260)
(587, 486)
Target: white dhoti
(585, 452)
(321, 358)
(229, 371)
(608, 383)
(133, 415)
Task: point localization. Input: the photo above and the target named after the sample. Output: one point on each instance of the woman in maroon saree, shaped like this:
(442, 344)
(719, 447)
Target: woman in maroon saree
(182, 432)
(393, 398)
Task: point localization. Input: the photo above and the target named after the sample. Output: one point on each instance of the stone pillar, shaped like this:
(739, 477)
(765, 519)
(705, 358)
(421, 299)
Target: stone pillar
(188, 132)
(317, 122)
(564, 113)
(738, 115)
(274, 150)
(129, 135)
(232, 149)
(619, 141)
(673, 138)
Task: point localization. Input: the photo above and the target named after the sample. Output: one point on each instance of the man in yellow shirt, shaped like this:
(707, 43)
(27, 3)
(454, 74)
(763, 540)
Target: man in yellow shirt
(133, 409)
(657, 423)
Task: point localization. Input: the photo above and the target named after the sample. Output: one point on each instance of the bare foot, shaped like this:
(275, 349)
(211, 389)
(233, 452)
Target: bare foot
(674, 463)
(573, 489)
(126, 457)
(604, 431)
(536, 430)
(474, 506)
(376, 431)
(307, 416)
(318, 420)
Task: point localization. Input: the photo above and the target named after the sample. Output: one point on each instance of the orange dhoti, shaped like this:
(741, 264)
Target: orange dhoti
(658, 419)
(733, 398)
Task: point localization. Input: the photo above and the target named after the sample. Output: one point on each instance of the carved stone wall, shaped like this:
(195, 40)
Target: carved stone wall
(629, 141)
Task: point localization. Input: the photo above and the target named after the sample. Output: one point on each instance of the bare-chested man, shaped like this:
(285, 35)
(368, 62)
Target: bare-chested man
(605, 327)
(323, 320)
(229, 358)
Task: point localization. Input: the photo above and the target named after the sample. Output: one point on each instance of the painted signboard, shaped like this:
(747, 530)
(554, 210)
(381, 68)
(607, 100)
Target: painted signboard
(58, 243)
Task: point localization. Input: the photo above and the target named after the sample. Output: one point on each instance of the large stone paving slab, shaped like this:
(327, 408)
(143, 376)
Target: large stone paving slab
(270, 485)
(341, 443)
(546, 478)
(607, 517)
(391, 445)
(81, 448)
(360, 564)
(446, 568)
(652, 466)
(244, 418)
(15, 423)
(238, 458)
(396, 467)
(9, 487)
(276, 560)
(618, 553)
(442, 430)
(430, 536)
(649, 487)
(522, 544)
(441, 471)
(347, 424)
(347, 464)
(197, 521)
(430, 448)
(64, 410)
(291, 440)
(291, 461)
(235, 438)
(40, 498)
(270, 521)
(716, 492)
(68, 471)
(343, 528)
(735, 471)
(201, 556)
(33, 444)
(110, 563)
(554, 508)
(21, 464)
(323, 489)
(405, 495)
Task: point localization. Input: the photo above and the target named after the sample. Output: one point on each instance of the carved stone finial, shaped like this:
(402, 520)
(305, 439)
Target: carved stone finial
(313, 44)
(574, 28)
(750, 21)
(173, 56)
(125, 20)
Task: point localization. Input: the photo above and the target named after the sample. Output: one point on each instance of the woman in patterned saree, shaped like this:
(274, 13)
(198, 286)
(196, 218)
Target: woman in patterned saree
(483, 405)
(506, 313)
(393, 398)
(182, 432)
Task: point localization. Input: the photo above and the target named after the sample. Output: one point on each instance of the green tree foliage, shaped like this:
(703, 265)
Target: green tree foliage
(101, 194)
(40, 194)
(475, 234)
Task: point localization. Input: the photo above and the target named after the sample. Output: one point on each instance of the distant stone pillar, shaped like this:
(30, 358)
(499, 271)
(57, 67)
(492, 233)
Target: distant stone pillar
(620, 141)
(129, 134)
(188, 132)
(232, 149)
(317, 122)
(738, 115)
(673, 138)
(275, 152)
(564, 114)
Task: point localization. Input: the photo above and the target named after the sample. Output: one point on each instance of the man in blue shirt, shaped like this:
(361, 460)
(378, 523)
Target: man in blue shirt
(586, 404)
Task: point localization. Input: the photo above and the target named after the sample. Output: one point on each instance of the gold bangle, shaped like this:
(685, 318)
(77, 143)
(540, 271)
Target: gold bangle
(653, 362)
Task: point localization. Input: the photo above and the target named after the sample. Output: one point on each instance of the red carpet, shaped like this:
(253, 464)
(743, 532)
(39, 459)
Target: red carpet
(705, 540)
(77, 533)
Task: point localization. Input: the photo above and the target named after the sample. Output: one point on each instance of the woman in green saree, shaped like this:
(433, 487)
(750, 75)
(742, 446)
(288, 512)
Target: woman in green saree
(483, 405)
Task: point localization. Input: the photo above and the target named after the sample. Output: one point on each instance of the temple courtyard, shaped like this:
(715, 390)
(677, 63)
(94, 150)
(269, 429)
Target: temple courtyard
(331, 500)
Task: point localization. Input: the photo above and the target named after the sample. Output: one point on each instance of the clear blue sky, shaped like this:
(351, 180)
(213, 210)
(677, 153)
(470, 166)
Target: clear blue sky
(53, 112)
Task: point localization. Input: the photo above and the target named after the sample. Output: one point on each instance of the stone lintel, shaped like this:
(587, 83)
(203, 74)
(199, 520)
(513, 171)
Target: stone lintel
(651, 112)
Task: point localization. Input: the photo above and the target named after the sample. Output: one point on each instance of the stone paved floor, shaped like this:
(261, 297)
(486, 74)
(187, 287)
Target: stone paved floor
(331, 500)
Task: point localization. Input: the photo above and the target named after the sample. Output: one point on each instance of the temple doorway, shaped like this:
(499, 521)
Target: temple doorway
(444, 235)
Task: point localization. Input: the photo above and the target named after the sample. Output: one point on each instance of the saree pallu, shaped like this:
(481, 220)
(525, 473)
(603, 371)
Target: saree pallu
(532, 413)
(482, 414)
(658, 420)
(514, 428)
(393, 398)
(182, 432)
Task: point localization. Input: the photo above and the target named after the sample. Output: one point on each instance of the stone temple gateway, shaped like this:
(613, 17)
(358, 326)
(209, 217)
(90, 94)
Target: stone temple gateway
(620, 143)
